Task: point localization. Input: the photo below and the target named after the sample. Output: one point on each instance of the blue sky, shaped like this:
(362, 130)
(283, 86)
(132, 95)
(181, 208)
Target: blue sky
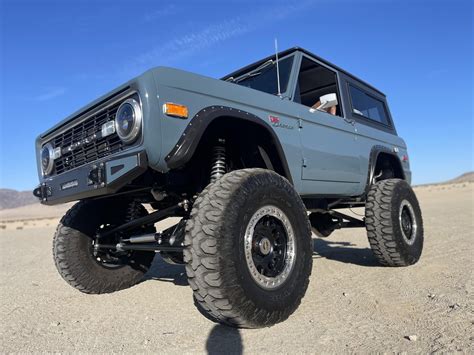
(56, 56)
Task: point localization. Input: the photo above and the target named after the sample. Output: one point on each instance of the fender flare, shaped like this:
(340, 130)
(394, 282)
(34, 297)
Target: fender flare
(374, 154)
(189, 140)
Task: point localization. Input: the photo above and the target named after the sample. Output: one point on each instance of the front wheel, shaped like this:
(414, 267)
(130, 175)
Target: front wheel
(108, 270)
(394, 223)
(248, 249)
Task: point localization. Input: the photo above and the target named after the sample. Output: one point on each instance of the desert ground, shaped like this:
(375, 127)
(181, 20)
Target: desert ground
(352, 304)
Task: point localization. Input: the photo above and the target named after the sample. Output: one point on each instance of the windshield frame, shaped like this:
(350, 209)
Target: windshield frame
(288, 93)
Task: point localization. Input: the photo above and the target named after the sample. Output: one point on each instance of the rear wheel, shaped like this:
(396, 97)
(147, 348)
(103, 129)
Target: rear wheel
(102, 271)
(248, 249)
(394, 223)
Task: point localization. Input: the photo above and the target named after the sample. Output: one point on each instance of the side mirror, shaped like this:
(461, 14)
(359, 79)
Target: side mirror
(328, 100)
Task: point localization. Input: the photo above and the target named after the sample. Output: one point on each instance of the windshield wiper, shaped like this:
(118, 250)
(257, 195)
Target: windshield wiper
(246, 76)
(257, 71)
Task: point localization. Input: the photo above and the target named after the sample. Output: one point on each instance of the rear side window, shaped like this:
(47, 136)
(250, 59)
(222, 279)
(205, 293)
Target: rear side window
(368, 106)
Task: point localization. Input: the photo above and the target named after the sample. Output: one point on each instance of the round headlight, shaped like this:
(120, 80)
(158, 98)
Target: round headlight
(128, 120)
(47, 159)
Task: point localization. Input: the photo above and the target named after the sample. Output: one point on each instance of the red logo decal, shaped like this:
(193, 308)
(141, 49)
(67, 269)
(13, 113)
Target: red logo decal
(274, 119)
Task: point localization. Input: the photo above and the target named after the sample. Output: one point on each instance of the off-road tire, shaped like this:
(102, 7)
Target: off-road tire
(217, 271)
(383, 223)
(72, 249)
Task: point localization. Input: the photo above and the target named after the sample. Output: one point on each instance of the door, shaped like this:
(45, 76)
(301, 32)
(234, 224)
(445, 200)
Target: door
(331, 157)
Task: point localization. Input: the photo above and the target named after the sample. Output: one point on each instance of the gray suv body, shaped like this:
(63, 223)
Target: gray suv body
(319, 153)
(178, 134)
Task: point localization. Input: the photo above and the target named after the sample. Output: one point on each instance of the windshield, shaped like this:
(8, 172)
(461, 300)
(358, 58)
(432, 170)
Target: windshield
(265, 77)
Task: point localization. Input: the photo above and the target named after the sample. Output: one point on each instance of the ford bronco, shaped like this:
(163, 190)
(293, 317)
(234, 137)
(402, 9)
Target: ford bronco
(250, 164)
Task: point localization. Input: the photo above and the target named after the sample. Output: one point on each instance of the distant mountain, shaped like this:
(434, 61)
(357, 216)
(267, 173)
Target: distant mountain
(466, 177)
(12, 198)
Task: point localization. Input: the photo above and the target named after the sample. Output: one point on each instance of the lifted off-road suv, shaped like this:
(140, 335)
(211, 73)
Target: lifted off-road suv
(251, 164)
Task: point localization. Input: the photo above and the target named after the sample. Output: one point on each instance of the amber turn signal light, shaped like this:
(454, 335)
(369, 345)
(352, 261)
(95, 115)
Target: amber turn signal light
(175, 110)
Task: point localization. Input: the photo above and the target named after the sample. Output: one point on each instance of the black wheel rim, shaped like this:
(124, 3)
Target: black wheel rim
(407, 222)
(269, 247)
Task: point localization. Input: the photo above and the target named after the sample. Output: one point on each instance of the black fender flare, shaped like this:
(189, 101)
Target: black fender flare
(374, 154)
(189, 140)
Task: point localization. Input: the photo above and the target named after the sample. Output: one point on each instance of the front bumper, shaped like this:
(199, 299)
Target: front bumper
(102, 177)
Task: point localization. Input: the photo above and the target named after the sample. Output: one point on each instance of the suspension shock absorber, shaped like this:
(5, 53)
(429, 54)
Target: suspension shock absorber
(219, 166)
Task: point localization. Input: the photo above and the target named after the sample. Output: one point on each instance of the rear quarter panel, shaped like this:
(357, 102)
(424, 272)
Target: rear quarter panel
(372, 136)
(372, 139)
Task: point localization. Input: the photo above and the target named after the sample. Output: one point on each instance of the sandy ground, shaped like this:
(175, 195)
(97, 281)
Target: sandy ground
(352, 304)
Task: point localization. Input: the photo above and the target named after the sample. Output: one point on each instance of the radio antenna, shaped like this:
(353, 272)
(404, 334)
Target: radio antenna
(278, 68)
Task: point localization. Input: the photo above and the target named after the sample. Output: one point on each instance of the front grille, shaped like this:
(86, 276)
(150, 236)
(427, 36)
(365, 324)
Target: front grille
(89, 152)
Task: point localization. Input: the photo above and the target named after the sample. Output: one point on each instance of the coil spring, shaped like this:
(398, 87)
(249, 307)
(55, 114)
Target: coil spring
(136, 210)
(133, 211)
(219, 167)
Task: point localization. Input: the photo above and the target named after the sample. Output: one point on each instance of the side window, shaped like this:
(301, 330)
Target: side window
(314, 82)
(368, 106)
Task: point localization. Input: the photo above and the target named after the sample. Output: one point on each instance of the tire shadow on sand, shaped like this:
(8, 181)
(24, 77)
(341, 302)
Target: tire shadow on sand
(224, 340)
(345, 252)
